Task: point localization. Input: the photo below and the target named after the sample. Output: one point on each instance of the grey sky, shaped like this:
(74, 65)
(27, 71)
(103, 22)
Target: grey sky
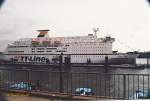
(126, 20)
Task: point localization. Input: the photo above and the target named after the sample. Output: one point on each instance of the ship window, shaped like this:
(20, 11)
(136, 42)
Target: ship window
(49, 51)
(40, 51)
(66, 45)
(40, 48)
(16, 46)
(51, 48)
(14, 51)
(41, 35)
(61, 51)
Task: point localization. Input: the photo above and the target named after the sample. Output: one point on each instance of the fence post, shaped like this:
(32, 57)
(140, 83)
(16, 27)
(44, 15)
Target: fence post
(67, 62)
(135, 64)
(60, 75)
(124, 86)
(106, 64)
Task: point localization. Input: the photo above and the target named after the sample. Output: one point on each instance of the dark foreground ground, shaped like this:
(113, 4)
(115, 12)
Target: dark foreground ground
(20, 97)
(9, 96)
(24, 98)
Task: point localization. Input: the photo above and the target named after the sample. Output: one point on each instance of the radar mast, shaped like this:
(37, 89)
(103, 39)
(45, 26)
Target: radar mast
(95, 30)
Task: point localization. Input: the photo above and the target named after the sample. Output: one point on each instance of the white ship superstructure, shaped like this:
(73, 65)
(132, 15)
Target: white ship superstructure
(40, 49)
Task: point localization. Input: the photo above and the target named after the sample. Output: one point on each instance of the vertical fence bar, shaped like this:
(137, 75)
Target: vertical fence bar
(100, 89)
(3, 79)
(96, 83)
(87, 81)
(109, 86)
(7, 79)
(0, 79)
(48, 81)
(124, 86)
(118, 86)
(138, 85)
(148, 85)
(13, 76)
(128, 86)
(133, 84)
(105, 85)
(67, 88)
(51, 83)
(71, 83)
(29, 81)
(79, 80)
(114, 86)
(143, 84)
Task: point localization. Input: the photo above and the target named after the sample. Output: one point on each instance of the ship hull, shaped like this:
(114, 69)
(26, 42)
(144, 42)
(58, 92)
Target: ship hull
(53, 59)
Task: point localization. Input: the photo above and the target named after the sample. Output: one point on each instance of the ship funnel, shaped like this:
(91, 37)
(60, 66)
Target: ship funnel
(43, 33)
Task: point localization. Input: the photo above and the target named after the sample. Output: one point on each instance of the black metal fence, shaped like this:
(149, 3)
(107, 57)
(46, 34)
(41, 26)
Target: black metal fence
(120, 86)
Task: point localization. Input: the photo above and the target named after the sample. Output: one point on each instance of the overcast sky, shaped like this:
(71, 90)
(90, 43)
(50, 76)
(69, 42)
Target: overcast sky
(128, 21)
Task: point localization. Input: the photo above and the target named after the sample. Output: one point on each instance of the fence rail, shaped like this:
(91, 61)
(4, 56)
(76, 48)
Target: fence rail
(124, 86)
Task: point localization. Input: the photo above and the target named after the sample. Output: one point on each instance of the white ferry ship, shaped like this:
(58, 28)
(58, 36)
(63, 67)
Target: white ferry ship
(46, 50)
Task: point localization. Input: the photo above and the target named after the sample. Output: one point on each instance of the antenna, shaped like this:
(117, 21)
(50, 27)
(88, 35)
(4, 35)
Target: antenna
(95, 30)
